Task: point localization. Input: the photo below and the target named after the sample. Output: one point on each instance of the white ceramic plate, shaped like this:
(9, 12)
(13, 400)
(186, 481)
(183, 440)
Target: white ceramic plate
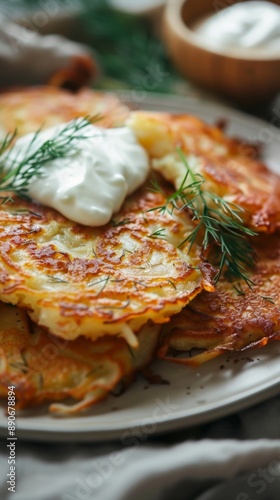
(222, 386)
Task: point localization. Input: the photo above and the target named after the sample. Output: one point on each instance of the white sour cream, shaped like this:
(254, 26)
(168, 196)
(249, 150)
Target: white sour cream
(246, 25)
(90, 184)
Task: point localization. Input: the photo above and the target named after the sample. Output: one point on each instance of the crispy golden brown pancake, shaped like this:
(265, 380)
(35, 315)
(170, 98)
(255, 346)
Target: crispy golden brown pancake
(77, 280)
(30, 109)
(226, 164)
(45, 368)
(234, 317)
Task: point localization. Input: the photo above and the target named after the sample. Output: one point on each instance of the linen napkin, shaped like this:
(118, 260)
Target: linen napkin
(235, 458)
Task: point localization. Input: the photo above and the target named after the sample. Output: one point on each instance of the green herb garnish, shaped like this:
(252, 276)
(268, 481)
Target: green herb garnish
(16, 174)
(160, 233)
(218, 223)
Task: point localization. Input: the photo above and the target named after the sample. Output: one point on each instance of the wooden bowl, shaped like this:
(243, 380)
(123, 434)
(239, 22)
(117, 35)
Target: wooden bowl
(246, 76)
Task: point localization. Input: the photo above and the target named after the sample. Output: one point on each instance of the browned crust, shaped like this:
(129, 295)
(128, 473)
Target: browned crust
(228, 320)
(114, 274)
(44, 368)
(29, 109)
(231, 168)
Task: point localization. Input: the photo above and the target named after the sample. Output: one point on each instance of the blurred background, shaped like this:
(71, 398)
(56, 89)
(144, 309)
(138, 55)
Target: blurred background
(133, 49)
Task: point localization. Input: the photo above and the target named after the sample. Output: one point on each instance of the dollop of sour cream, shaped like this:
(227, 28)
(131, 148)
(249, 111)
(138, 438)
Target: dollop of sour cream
(246, 25)
(90, 184)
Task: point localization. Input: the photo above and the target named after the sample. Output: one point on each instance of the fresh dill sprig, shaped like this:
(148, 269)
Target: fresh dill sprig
(172, 284)
(160, 233)
(16, 173)
(55, 279)
(218, 223)
(122, 222)
(104, 282)
(23, 211)
(268, 299)
(239, 290)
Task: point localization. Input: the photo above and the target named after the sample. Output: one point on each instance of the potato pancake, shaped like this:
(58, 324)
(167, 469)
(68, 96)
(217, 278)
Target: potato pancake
(30, 109)
(77, 280)
(234, 317)
(45, 368)
(227, 166)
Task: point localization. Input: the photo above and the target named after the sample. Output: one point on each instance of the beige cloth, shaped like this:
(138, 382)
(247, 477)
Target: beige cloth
(235, 458)
(28, 58)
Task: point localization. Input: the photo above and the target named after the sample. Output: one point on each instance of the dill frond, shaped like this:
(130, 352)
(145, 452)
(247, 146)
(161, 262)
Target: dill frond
(16, 174)
(217, 223)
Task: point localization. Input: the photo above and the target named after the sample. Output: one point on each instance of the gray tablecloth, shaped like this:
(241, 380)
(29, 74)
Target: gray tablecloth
(236, 458)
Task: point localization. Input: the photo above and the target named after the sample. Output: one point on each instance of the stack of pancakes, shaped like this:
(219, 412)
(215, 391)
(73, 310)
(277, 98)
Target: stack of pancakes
(84, 309)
